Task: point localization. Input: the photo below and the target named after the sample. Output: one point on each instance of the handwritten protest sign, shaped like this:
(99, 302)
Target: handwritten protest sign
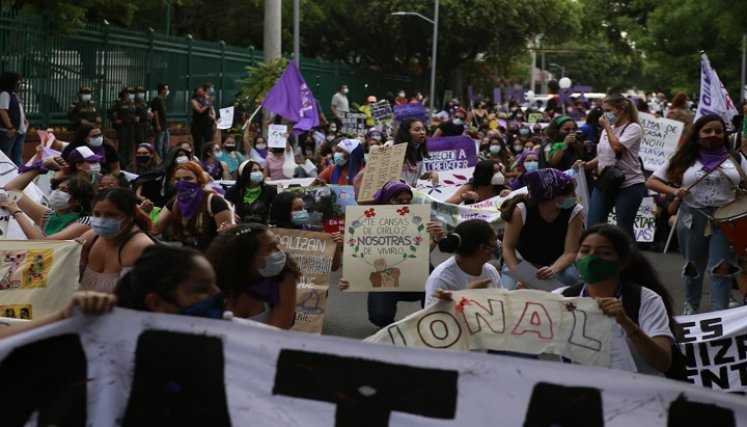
(660, 139)
(411, 110)
(326, 205)
(644, 226)
(382, 166)
(226, 118)
(386, 248)
(119, 369)
(277, 136)
(353, 123)
(450, 152)
(527, 321)
(36, 277)
(313, 253)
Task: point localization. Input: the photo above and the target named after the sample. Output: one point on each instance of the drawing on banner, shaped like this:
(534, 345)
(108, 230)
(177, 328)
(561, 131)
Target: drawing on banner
(278, 136)
(353, 124)
(38, 274)
(313, 252)
(326, 206)
(386, 248)
(660, 139)
(16, 311)
(527, 321)
(450, 152)
(384, 165)
(644, 226)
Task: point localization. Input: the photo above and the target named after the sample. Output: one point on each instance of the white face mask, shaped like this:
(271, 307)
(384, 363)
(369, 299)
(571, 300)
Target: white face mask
(274, 264)
(182, 159)
(95, 167)
(59, 200)
(261, 146)
(85, 97)
(96, 142)
(131, 96)
(498, 179)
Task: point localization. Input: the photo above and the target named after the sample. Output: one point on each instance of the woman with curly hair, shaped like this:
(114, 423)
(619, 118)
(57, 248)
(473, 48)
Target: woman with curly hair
(257, 277)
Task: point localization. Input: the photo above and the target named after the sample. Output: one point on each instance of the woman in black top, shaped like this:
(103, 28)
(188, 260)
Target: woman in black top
(202, 124)
(93, 137)
(543, 228)
(250, 196)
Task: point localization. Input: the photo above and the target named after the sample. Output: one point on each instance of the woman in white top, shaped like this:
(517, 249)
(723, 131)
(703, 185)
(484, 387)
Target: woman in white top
(474, 242)
(620, 144)
(411, 131)
(704, 176)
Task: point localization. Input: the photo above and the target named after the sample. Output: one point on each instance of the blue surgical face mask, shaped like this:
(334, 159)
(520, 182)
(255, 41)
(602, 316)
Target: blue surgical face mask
(567, 203)
(299, 218)
(256, 177)
(531, 166)
(107, 228)
(96, 141)
(495, 149)
(612, 117)
(274, 264)
(524, 132)
(339, 159)
(211, 308)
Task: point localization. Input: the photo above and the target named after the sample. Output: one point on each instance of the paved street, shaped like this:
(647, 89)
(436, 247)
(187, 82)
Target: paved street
(347, 313)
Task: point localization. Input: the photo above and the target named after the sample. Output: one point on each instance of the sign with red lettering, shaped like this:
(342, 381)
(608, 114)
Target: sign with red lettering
(526, 321)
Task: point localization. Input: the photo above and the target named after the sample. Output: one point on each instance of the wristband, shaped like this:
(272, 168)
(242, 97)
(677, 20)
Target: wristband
(13, 214)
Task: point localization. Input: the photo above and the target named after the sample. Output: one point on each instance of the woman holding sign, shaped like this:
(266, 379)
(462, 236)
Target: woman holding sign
(411, 131)
(348, 158)
(543, 229)
(626, 288)
(704, 176)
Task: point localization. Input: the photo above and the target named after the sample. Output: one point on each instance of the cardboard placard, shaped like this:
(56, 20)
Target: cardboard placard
(386, 248)
(313, 253)
(644, 226)
(660, 139)
(382, 166)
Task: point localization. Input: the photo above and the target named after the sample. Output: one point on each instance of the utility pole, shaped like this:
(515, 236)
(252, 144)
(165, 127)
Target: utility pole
(744, 68)
(297, 32)
(272, 41)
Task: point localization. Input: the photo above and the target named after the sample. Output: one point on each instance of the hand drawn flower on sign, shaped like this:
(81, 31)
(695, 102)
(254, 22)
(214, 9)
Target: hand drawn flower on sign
(414, 241)
(418, 240)
(370, 213)
(403, 211)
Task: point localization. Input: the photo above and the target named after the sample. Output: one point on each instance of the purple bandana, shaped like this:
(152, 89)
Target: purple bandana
(262, 153)
(266, 289)
(546, 183)
(189, 195)
(388, 191)
(711, 159)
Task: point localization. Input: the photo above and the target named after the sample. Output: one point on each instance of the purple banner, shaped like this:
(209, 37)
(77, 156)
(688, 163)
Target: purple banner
(411, 110)
(451, 152)
(497, 95)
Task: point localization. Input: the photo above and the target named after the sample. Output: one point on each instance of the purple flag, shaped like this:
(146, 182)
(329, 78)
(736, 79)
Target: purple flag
(497, 95)
(292, 99)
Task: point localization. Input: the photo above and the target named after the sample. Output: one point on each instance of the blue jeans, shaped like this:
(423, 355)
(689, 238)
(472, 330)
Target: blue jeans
(13, 147)
(626, 202)
(382, 306)
(704, 253)
(568, 277)
(162, 143)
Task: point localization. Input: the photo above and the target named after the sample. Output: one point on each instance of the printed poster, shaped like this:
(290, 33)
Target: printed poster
(278, 136)
(383, 165)
(37, 277)
(226, 118)
(386, 248)
(644, 226)
(313, 252)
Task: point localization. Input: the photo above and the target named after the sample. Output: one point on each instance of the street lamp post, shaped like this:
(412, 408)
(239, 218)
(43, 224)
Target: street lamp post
(565, 84)
(434, 50)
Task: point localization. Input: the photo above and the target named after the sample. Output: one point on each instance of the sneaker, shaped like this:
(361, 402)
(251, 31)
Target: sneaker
(689, 310)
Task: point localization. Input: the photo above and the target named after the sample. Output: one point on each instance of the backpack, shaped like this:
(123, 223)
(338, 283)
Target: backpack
(631, 301)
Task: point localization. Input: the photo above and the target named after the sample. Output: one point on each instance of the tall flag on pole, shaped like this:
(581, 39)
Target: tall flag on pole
(714, 99)
(292, 99)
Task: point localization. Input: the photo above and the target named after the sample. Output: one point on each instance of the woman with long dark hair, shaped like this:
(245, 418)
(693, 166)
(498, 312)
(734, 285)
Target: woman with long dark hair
(250, 195)
(411, 131)
(92, 137)
(702, 175)
(614, 273)
(202, 123)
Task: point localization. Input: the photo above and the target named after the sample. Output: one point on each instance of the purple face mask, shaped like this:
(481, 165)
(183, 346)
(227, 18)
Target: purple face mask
(189, 195)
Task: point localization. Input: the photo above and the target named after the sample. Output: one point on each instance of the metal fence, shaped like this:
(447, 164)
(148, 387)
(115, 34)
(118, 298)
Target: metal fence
(107, 59)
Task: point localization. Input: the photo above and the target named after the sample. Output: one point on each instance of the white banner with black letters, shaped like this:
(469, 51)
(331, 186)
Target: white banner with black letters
(132, 368)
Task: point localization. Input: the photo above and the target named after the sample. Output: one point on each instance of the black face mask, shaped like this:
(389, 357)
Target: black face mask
(143, 159)
(230, 147)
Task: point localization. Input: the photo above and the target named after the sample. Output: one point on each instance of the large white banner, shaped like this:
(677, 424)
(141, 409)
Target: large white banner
(714, 99)
(142, 369)
(715, 348)
(526, 321)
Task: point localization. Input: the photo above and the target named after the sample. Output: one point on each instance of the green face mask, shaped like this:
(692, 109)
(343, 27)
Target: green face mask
(593, 269)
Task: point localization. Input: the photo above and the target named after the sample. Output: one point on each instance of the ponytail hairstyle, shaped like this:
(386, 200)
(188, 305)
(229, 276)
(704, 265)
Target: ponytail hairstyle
(126, 201)
(159, 270)
(623, 103)
(467, 237)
